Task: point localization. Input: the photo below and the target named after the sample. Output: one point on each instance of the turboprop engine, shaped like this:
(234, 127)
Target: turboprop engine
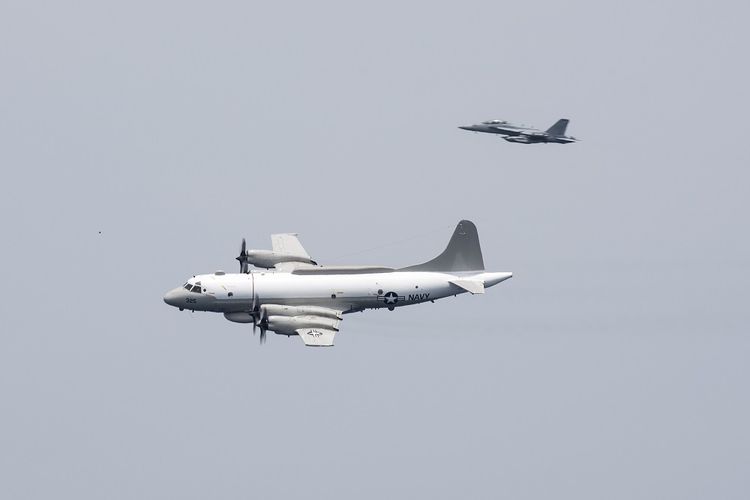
(282, 310)
(266, 258)
(286, 325)
(267, 311)
(285, 320)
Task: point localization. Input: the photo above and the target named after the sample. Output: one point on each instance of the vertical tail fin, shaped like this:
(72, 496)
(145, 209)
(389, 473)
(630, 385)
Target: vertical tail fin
(559, 127)
(463, 253)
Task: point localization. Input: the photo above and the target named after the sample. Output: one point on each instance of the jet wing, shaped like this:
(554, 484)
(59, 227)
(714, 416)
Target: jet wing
(316, 337)
(288, 244)
(504, 130)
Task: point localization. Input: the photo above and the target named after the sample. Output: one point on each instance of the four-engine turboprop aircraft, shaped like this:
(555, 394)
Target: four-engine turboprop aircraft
(303, 298)
(523, 134)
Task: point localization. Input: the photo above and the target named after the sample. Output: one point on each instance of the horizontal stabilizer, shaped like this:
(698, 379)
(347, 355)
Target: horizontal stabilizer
(492, 279)
(316, 337)
(471, 286)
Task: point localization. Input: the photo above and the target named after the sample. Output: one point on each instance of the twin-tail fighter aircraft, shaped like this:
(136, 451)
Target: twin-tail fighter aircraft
(300, 297)
(523, 134)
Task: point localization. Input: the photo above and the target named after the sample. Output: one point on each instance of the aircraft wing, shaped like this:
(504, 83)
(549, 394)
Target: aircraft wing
(315, 325)
(506, 131)
(288, 244)
(318, 327)
(316, 337)
(290, 267)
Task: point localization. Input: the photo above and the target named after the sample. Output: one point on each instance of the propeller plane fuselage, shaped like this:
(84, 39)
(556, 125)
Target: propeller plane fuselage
(229, 293)
(302, 298)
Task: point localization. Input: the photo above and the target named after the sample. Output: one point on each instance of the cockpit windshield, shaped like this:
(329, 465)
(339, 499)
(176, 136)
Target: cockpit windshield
(193, 288)
(494, 122)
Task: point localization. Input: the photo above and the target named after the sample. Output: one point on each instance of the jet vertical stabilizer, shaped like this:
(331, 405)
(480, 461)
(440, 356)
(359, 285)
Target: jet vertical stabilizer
(558, 129)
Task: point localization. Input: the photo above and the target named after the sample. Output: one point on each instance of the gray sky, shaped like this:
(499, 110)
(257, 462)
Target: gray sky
(613, 365)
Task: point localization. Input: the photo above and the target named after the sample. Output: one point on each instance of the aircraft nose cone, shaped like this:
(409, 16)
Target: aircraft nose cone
(466, 127)
(173, 296)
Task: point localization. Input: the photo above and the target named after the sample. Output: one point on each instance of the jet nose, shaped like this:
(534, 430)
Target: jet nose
(173, 297)
(466, 127)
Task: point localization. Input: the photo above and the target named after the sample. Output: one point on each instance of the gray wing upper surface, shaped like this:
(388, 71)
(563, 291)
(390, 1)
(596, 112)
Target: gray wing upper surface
(288, 244)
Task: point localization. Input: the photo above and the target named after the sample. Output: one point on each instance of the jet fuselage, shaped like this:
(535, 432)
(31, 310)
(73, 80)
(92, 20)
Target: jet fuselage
(522, 134)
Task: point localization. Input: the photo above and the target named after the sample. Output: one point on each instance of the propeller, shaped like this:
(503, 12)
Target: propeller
(242, 258)
(263, 324)
(255, 312)
(260, 316)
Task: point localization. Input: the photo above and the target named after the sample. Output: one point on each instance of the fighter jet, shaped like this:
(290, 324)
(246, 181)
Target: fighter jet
(301, 298)
(523, 134)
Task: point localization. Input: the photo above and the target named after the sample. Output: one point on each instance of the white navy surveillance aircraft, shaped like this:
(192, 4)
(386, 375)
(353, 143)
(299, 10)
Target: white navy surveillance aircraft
(523, 134)
(300, 297)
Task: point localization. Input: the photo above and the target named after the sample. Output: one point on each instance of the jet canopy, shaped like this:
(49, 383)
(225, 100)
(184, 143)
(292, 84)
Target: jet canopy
(494, 122)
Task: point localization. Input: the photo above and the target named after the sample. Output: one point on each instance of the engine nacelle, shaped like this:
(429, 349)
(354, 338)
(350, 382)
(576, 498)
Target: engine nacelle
(283, 310)
(286, 325)
(267, 258)
(239, 317)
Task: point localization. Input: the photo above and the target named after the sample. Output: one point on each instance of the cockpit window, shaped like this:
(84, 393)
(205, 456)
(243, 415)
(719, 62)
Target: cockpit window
(187, 286)
(196, 289)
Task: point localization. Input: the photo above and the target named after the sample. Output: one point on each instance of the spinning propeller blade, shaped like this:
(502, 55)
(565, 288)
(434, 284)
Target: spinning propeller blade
(260, 316)
(242, 258)
(254, 311)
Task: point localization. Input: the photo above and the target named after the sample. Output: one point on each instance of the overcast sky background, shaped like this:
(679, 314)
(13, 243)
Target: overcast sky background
(613, 365)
